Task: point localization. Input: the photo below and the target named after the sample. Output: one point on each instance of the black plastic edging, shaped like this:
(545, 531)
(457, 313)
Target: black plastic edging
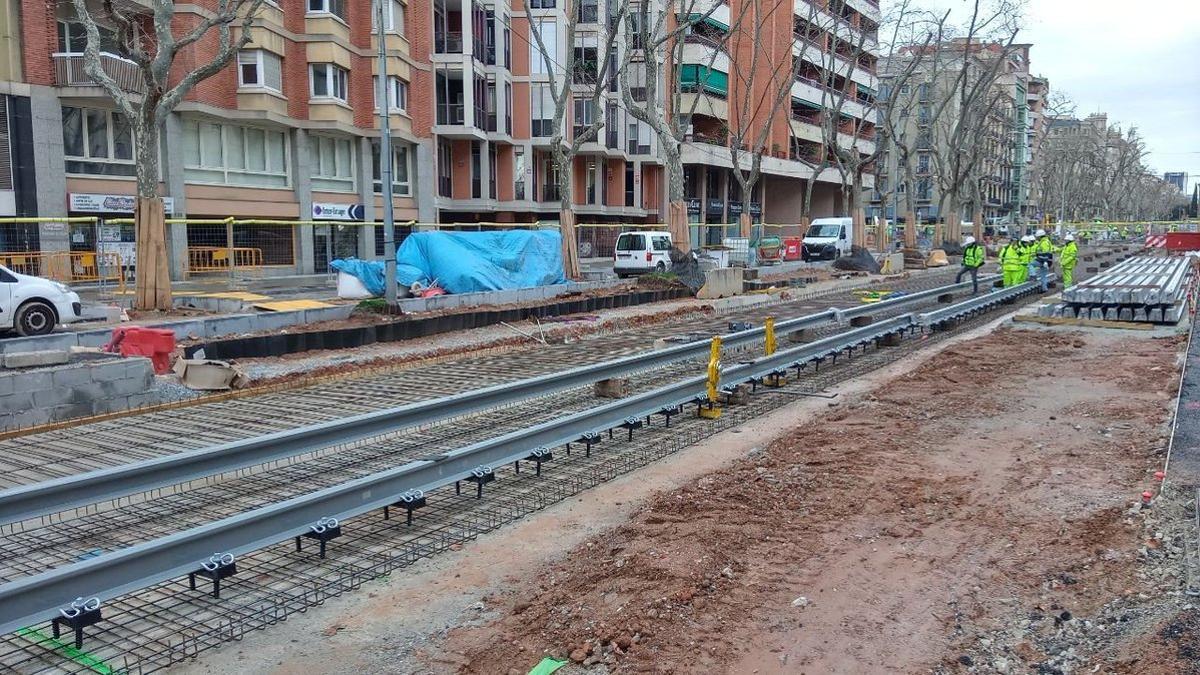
(407, 329)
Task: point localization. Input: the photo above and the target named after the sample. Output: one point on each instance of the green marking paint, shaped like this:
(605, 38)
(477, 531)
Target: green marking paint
(67, 649)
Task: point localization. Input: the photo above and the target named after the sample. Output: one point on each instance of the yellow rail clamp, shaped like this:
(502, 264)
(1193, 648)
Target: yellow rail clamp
(770, 334)
(711, 408)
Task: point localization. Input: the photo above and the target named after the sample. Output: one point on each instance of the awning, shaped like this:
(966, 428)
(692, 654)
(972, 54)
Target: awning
(807, 103)
(708, 20)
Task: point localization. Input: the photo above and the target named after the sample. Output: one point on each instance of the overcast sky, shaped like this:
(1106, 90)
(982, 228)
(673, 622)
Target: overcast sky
(1137, 61)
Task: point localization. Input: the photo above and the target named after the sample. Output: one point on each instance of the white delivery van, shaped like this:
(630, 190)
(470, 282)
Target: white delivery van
(33, 305)
(827, 239)
(642, 252)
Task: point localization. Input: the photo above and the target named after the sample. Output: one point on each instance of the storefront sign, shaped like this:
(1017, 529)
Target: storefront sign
(735, 209)
(326, 211)
(693, 204)
(716, 207)
(91, 203)
(755, 209)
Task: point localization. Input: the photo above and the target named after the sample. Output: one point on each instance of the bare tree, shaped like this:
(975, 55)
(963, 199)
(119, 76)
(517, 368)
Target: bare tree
(757, 103)
(153, 45)
(653, 39)
(854, 147)
(575, 84)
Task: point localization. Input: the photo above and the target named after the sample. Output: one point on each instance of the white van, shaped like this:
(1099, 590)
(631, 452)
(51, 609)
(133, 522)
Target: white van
(827, 239)
(33, 305)
(642, 252)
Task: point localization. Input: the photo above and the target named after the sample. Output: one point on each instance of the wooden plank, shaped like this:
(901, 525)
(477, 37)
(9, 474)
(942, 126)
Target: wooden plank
(1083, 323)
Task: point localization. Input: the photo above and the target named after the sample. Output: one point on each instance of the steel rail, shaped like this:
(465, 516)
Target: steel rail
(62, 494)
(37, 598)
(977, 304)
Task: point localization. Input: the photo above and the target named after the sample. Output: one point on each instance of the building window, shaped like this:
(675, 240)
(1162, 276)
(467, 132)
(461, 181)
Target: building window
(549, 32)
(584, 111)
(476, 171)
(259, 68)
(541, 110)
(332, 162)
(629, 184)
(445, 168)
(228, 154)
(518, 172)
(541, 4)
(587, 64)
(97, 142)
(334, 7)
(393, 16)
(401, 183)
(923, 162)
(328, 81)
(72, 39)
(397, 93)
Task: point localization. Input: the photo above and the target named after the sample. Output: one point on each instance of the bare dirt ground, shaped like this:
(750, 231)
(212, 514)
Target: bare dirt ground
(973, 514)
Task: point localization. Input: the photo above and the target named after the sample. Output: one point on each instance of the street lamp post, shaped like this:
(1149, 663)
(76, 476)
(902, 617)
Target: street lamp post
(385, 164)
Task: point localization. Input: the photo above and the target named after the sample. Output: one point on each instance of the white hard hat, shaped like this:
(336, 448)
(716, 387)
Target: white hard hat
(1070, 237)
(1028, 237)
(968, 240)
(1041, 233)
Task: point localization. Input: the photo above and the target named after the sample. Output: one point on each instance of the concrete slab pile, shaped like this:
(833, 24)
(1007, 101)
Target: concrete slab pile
(1142, 289)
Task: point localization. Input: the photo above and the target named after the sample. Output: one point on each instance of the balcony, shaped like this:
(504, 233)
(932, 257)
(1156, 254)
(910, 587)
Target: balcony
(589, 13)
(69, 72)
(451, 113)
(450, 42)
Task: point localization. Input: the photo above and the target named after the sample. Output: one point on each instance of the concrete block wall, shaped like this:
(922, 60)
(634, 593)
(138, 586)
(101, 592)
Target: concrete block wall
(91, 387)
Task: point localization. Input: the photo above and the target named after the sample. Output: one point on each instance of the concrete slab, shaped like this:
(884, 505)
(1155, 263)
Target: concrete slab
(34, 359)
(721, 283)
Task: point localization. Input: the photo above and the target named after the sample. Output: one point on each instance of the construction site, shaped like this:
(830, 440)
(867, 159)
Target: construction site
(815, 471)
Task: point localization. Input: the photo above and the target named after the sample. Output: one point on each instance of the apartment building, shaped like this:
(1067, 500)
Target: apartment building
(831, 49)
(289, 131)
(1005, 128)
(18, 187)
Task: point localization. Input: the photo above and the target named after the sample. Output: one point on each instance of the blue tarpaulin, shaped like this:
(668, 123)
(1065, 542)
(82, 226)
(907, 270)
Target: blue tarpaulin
(469, 262)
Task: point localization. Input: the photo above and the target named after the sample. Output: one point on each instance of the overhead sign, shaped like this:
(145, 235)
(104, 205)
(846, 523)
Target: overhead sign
(326, 211)
(92, 203)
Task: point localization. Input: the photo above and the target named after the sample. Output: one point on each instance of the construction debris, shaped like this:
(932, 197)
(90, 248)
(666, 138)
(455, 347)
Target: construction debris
(616, 387)
(206, 375)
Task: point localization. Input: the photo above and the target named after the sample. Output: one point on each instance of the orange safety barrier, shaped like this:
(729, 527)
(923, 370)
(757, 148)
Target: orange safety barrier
(217, 258)
(68, 267)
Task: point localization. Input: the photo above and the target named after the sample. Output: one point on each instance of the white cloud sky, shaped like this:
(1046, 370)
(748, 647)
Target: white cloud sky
(1139, 62)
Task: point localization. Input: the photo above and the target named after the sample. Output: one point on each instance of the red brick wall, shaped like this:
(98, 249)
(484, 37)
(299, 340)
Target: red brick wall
(419, 31)
(295, 60)
(39, 39)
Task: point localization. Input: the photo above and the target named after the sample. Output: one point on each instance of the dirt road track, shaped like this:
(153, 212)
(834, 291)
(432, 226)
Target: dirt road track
(979, 497)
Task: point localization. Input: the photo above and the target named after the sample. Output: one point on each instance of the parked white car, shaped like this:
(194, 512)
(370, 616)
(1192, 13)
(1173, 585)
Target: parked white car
(827, 239)
(33, 305)
(642, 252)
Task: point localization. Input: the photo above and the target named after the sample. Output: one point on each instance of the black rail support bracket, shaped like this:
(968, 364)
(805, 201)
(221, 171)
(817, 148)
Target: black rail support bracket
(216, 568)
(79, 615)
(326, 530)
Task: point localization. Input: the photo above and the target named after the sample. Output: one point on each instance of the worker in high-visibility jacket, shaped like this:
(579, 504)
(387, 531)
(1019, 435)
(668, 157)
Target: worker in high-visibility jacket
(1068, 255)
(1027, 245)
(1011, 263)
(1043, 258)
(973, 257)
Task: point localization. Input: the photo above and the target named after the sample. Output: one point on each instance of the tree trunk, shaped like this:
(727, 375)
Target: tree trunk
(745, 225)
(152, 288)
(910, 229)
(978, 228)
(152, 276)
(677, 225)
(570, 245)
(857, 214)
